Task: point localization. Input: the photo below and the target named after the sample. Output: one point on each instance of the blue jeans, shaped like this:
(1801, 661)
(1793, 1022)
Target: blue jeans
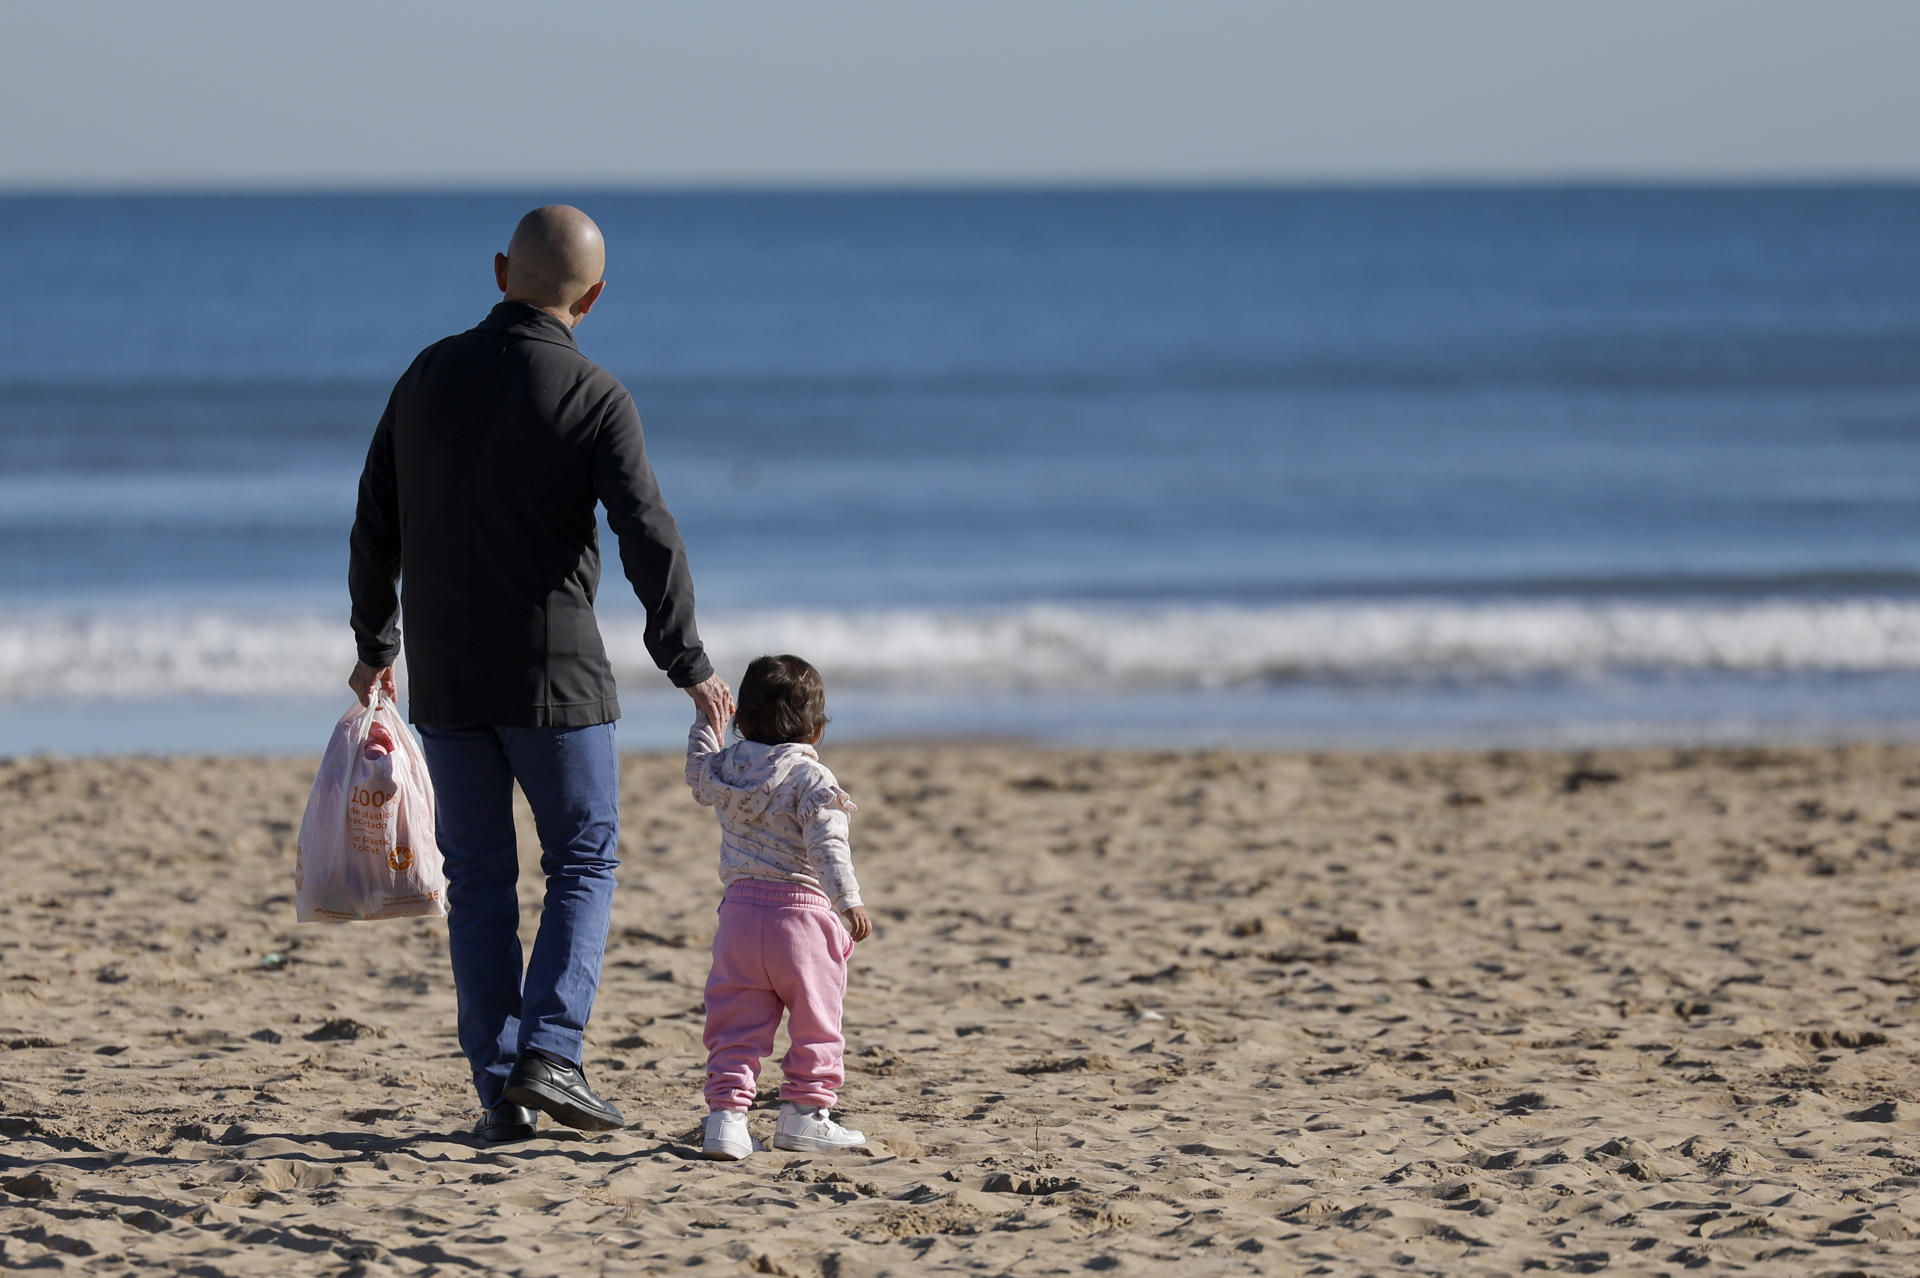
(571, 778)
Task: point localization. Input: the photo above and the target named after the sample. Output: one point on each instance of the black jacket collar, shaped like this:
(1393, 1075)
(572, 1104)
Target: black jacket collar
(522, 320)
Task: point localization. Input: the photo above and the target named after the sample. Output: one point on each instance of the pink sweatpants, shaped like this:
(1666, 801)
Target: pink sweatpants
(779, 947)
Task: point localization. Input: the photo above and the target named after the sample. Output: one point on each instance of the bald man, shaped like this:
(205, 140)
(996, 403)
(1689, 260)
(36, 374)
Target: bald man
(478, 497)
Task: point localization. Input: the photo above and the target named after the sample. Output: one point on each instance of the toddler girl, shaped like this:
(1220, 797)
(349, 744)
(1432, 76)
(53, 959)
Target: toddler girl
(788, 875)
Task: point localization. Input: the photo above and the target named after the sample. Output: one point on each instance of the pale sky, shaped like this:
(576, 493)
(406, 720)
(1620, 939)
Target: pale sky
(380, 92)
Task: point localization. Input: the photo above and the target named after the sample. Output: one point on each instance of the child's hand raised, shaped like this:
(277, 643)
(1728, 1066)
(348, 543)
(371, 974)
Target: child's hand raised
(859, 924)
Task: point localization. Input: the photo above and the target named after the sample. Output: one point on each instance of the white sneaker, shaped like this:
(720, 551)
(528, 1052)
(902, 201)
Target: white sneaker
(727, 1136)
(806, 1130)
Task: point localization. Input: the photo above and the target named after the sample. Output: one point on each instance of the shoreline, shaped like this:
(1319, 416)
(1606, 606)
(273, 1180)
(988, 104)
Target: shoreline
(1241, 1011)
(1869, 710)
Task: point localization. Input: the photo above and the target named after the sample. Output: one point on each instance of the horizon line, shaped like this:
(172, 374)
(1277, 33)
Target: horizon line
(1624, 179)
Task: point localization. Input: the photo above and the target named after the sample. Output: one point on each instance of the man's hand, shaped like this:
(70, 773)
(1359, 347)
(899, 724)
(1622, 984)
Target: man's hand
(858, 923)
(364, 679)
(714, 700)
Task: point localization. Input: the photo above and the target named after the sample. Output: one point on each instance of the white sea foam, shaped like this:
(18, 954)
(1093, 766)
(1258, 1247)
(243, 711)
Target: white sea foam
(109, 653)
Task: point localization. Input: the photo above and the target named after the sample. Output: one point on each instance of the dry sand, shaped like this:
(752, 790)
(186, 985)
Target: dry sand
(1195, 1013)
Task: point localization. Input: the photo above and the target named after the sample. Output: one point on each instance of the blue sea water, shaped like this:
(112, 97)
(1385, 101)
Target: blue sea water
(1145, 467)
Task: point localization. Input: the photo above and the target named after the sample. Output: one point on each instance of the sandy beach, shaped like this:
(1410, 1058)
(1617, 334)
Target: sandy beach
(1635, 1012)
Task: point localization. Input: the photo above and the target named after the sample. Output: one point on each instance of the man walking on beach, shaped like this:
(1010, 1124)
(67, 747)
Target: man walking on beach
(479, 493)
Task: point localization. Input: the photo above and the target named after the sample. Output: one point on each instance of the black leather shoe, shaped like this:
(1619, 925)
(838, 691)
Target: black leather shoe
(560, 1092)
(504, 1122)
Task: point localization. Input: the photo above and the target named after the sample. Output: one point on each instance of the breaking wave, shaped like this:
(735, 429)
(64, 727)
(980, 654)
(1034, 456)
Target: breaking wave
(93, 653)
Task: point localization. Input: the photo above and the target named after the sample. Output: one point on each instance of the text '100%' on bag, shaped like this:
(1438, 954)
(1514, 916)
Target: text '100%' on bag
(367, 848)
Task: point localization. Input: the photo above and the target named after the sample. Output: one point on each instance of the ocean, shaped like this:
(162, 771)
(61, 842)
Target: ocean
(1367, 467)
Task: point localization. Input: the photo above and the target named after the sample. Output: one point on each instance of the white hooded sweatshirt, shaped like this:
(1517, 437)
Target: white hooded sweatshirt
(782, 815)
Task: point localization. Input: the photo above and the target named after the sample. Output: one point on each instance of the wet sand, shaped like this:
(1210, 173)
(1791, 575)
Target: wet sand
(1149, 1013)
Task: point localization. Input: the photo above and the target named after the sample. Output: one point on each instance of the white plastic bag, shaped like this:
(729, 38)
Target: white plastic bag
(367, 848)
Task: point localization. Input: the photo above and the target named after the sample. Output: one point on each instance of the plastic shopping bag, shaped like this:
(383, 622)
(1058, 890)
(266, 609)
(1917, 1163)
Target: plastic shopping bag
(367, 847)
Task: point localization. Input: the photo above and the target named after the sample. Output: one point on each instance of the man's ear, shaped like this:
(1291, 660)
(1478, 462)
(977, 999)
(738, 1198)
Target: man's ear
(587, 299)
(500, 270)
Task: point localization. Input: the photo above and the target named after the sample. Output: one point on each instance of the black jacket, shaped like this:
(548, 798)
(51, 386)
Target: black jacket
(479, 494)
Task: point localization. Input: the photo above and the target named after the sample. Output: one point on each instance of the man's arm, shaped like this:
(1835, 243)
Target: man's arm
(373, 565)
(654, 557)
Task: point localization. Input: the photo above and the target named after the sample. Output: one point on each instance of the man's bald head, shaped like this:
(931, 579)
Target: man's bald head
(554, 261)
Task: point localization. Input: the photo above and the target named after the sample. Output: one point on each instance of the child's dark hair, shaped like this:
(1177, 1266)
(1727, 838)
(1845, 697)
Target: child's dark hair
(782, 700)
